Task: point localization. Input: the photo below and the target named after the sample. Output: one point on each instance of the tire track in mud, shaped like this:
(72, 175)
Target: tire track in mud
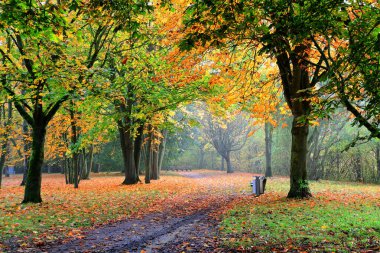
(158, 232)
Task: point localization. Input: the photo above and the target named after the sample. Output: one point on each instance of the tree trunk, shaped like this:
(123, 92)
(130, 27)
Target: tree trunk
(84, 165)
(6, 118)
(2, 161)
(25, 132)
(137, 148)
(358, 167)
(378, 160)
(126, 142)
(296, 84)
(162, 150)
(299, 187)
(66, 169)
(149, 157)
(75, 155)
(229, 165)
(155, 174)
(222, 165)
(34, 178)
(90, 161)
(313, 159)
(201, 158)
(268, 149)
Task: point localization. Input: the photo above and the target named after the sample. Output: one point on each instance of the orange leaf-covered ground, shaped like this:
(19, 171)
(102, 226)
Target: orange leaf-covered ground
(67, 212)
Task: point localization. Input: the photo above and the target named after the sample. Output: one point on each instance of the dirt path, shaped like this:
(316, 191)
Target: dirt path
(156, 232)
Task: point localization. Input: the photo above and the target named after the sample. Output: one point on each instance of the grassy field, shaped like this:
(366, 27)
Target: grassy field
(340, 216)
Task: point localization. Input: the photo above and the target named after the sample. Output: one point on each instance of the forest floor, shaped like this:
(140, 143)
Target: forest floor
(198, 211)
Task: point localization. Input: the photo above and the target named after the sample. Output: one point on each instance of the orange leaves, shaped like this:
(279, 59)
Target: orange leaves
(124, 61)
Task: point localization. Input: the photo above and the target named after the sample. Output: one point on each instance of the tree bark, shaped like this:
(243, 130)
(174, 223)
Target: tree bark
(90, 162)
(155, 174)
(75, 155)
(268, 149)
(377, 154)
(149, 157)
(137, 148)
(162, 150)
(229, 165)
(299, 187)
(34, 178)
(25, 132)
(358, 167)
(2, 161)
(6, 117)
(126, 142)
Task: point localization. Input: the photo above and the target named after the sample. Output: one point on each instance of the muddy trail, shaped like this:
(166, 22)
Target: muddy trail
(172, 230)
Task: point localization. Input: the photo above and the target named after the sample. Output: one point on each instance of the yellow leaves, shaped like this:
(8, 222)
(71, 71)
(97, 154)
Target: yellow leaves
(251, 133)
(314, 123)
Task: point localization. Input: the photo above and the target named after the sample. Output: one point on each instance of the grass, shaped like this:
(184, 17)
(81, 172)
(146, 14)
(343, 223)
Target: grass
(341, 217)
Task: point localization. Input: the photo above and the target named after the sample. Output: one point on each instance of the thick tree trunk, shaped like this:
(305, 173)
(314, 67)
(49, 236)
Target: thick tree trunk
(229, 165)
(222, 165)
(299, 187)
(126, 142)
(268, 149)
(34, 178)
(296, 83)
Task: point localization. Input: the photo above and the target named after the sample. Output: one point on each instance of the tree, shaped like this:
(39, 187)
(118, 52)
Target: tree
(286, 30)
(352, 63)
(148, 77)
(37, 53)
(226, 135)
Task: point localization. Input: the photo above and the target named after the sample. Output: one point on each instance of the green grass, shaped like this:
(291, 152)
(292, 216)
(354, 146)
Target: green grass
(342, 217)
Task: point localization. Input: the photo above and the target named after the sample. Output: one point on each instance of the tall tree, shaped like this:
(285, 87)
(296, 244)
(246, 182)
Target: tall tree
(37, 54)
(285, 30)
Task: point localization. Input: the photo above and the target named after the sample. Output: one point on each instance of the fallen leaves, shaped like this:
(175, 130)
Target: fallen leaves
(66, 212)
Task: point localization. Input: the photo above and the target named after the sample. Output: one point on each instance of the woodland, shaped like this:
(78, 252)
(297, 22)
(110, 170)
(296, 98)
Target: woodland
(136, 126)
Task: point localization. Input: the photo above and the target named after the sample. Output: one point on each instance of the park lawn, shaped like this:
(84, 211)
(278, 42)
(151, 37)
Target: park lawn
(341, 217)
